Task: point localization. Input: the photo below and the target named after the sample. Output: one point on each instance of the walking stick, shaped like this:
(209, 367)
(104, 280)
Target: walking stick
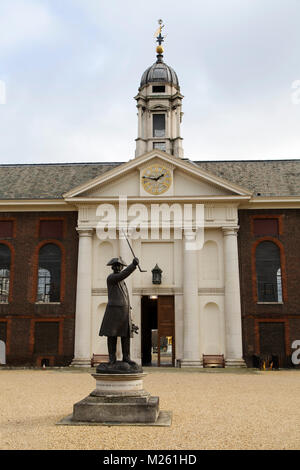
(141, 270)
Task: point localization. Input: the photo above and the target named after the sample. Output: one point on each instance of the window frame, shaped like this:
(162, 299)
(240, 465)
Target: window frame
(157, 148)
(165, 128)
(11, 270)
(33, 298)
(158, 86)
(282, 265)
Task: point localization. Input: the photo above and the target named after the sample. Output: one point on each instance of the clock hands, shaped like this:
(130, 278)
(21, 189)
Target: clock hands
(154, 178)
(149, 178)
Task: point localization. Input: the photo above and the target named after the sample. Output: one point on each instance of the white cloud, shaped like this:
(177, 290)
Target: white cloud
(25, 21)
(72, 67)
(263, 129)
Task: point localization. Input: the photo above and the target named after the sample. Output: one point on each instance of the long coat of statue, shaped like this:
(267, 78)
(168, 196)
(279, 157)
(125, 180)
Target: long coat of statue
(117, 318)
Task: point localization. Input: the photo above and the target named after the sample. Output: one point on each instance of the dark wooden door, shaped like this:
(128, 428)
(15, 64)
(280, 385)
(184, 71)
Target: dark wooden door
(272, 341)
(166, 329)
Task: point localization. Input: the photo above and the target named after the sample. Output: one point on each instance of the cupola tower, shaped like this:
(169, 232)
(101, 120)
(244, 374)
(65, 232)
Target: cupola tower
(159, 104)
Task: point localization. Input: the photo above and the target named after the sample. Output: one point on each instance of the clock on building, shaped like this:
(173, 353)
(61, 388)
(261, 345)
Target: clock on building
(156, 179)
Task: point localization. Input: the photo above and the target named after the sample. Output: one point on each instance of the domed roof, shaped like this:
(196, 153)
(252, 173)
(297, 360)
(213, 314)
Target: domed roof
(159, 72)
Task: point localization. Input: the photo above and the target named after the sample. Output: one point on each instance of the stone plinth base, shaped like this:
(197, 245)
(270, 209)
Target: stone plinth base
(118, 399)
(164, 419)
(124, 409)
(235, 362)
(190, 363)
(81, 362)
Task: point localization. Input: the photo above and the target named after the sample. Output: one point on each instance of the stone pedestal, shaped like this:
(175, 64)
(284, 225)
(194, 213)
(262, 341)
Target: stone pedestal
(118, 399)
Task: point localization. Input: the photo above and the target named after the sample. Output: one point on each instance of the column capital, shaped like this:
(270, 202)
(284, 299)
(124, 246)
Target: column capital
(85, 232)
(233, 231)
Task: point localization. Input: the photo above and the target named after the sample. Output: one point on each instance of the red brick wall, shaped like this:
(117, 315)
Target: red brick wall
(21, 312)
(288, 312)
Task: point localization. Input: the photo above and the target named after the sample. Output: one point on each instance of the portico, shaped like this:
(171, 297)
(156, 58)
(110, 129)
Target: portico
(204, 281)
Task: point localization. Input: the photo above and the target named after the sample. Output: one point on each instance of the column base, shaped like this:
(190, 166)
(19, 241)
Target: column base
(190, 363)
(81, 362)
(238, 362)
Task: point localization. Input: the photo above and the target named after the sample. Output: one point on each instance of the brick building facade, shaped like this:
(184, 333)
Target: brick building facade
(38, 332)
(270, 326)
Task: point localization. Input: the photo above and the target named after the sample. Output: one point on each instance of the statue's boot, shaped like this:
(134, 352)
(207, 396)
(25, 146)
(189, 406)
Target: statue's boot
(125, 341)
(112, 347)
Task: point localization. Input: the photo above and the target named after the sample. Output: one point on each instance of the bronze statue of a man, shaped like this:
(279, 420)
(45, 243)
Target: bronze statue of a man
(117, 317)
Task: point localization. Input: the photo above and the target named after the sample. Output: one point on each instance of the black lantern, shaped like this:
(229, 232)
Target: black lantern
(156, 275)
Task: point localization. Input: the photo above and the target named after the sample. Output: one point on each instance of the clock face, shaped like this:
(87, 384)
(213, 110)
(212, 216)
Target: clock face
(156, 179)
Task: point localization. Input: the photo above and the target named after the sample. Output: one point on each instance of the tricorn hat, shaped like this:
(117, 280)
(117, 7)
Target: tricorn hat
(116, 261)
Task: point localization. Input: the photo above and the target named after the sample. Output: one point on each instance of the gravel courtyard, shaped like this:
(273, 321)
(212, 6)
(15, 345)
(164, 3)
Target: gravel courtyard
(211, 410)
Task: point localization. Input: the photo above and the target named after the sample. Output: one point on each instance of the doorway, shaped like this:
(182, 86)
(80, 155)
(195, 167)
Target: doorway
(158, 331)
(272, 342)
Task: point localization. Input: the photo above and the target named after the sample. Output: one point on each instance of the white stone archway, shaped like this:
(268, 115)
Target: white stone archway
(2, 352)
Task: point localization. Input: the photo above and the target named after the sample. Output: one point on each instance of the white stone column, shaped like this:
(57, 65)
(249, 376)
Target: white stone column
(140, 132)
(191, 330)
(178, 111)
(232, 300)
(148, 125)
(168, 129)
(82, 352)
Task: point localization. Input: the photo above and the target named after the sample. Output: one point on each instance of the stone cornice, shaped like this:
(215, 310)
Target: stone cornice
(102, 291)
(153, 199)
(26, 205)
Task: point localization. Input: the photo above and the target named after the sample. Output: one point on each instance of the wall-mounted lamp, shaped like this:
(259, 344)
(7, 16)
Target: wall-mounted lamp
(156, 275)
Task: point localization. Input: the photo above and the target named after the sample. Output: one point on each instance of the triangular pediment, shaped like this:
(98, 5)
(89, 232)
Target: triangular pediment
(188, 180)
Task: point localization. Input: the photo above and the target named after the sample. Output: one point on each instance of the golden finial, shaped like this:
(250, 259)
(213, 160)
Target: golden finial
(159, 37)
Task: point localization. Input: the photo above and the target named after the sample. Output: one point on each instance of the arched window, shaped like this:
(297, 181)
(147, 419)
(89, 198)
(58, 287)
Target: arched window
(268, 272)
(49, 274)
(4, 272)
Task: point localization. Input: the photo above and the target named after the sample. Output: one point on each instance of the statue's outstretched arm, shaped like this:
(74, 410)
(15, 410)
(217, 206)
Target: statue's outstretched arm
(117, 277)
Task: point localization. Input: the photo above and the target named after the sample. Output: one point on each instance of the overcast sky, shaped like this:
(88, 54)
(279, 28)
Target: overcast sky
(71, 69)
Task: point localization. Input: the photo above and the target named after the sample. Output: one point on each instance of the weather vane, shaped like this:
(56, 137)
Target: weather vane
(159, 37)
